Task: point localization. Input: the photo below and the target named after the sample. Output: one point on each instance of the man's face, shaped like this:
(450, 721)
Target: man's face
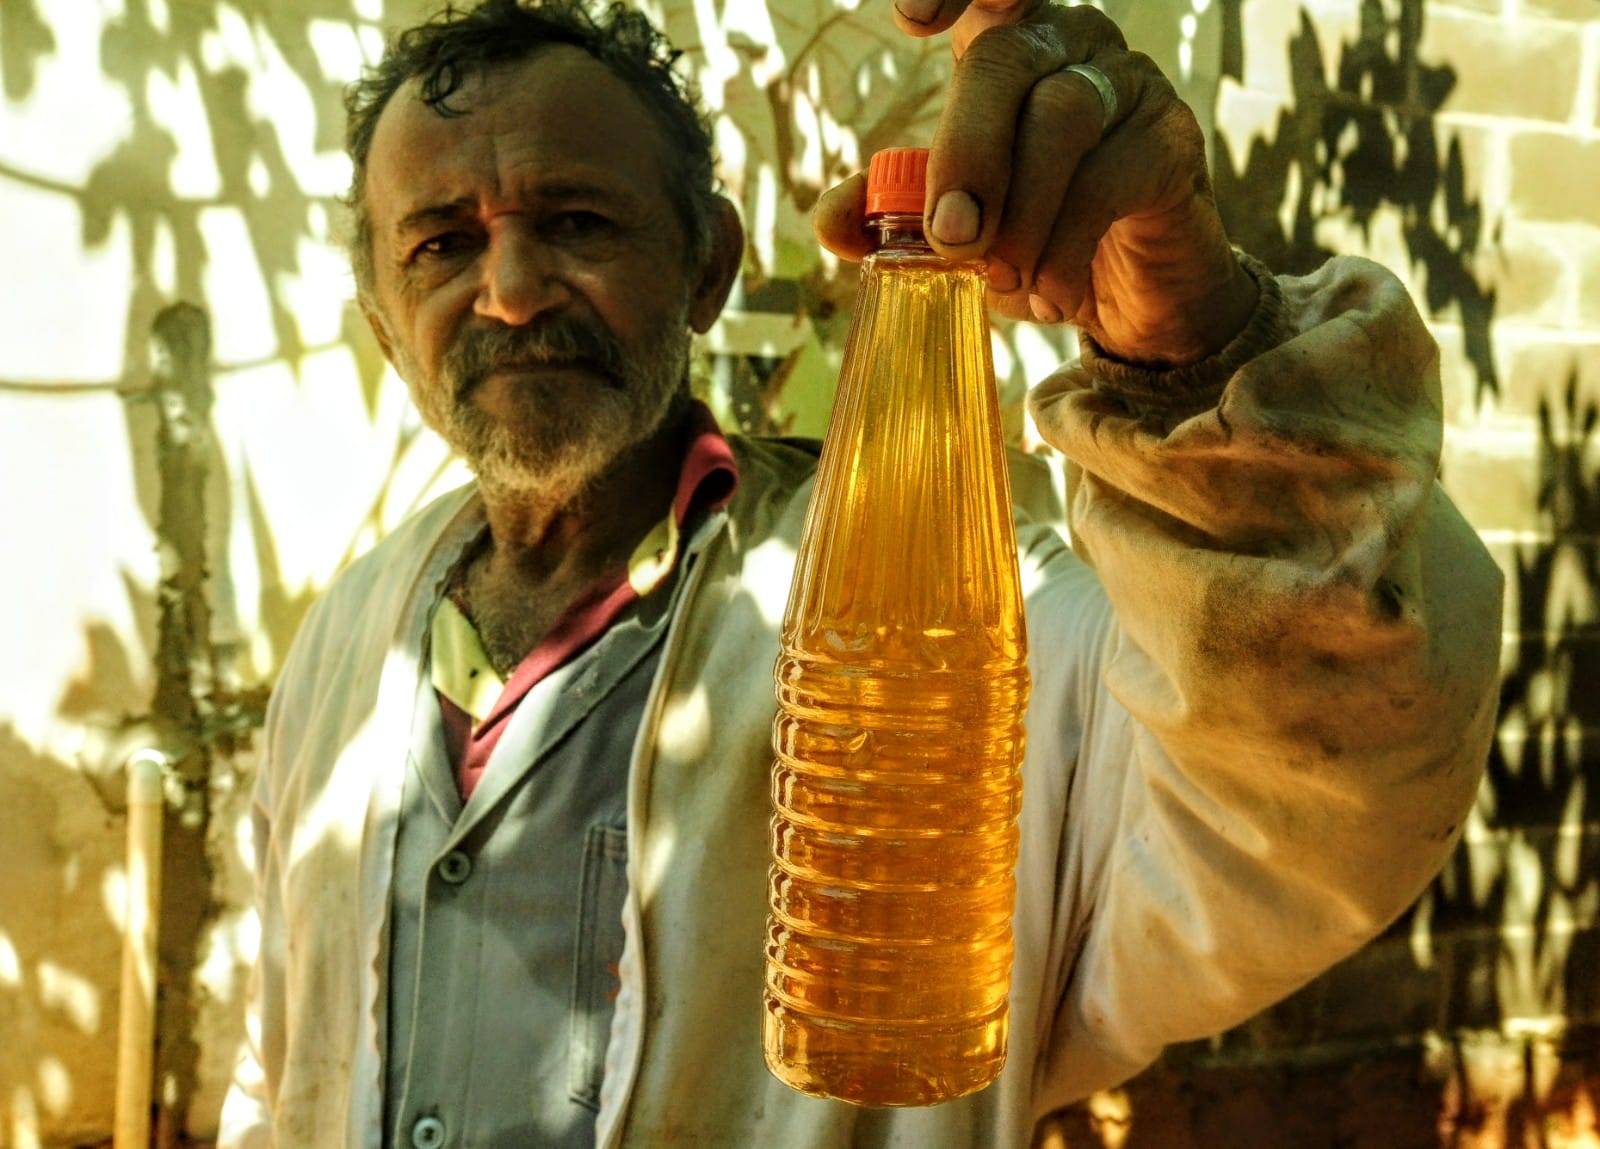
(532, 281)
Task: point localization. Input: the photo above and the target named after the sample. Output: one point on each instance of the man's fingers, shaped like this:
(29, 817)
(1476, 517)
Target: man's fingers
(968, 17)
(969, 167)
(1067, 164)
(1131, 175)
(927, 17)
(981, 15)
(970, 170)
(1010, 305)
(1061, 121)
(840, 219)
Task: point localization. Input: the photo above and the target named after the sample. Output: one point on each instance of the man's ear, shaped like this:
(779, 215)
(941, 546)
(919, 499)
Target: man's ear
(710, 290)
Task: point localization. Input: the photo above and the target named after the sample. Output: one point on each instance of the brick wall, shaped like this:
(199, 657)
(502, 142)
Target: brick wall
(1458, 142)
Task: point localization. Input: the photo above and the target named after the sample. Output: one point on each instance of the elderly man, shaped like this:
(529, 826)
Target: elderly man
(511, 816)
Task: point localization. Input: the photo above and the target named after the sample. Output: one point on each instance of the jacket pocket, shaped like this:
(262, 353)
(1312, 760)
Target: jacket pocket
(602, 889)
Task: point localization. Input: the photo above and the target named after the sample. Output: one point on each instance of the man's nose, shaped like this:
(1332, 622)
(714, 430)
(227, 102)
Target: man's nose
(521, 279)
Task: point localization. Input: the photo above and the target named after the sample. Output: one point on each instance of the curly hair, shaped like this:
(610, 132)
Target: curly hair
(456, 45)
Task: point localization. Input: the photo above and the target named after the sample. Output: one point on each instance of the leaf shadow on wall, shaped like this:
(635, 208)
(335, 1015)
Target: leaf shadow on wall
(1365, 144)
(1377, 1053)
(208, 162)
(1528, 907)
(61, 853)
(1500, 941)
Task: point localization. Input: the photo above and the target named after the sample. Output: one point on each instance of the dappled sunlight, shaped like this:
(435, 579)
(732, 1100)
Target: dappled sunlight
(1385, 1104)
(57, 1006)
(686, 723)
(114, 889)
(1387, 169)
(180, 519)
(150, 153)
(10, 967)
(55, 1086)
(1492, 974)
(656, 863)
(70, 992)
(770, 567)
(1355, 161)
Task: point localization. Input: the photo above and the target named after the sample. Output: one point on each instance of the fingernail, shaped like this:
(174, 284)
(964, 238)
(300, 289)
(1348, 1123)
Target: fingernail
(1043, 310)
(955, 218)
(918, 11)
(1002, 276)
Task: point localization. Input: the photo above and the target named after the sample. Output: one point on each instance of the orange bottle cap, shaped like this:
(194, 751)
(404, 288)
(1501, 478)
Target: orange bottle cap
(897, 181)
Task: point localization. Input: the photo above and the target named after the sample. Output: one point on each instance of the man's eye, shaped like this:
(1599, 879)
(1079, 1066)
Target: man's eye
(579, 224)
(441, 246)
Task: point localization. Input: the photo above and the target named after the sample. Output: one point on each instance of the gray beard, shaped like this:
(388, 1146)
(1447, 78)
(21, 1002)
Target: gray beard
(563, 441)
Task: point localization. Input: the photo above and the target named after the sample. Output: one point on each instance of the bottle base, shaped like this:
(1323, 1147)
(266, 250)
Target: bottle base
(912, 1065)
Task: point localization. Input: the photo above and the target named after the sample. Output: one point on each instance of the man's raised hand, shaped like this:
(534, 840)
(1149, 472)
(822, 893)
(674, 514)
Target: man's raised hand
(1087, 207)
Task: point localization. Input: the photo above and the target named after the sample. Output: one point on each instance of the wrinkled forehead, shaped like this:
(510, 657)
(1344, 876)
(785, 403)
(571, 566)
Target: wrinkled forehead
(553, 115)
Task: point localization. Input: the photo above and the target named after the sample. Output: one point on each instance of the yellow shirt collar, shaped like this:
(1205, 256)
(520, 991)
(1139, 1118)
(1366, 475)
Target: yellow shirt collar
(460, 669)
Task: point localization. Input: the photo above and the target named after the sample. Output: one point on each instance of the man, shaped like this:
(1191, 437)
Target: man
(511, 817)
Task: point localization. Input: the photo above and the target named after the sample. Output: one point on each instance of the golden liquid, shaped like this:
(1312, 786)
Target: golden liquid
(901, 688)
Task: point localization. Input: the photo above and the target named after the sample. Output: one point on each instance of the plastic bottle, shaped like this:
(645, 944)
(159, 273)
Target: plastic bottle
(901, 687)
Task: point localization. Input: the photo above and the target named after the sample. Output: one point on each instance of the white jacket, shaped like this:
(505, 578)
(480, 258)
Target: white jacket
(1258, 719)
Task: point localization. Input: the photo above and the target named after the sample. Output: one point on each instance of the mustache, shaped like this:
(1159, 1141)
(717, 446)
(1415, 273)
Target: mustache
(479, 352)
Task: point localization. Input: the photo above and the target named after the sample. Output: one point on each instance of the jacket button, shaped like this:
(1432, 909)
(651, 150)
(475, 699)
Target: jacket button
(427, 1133)
(455, 867)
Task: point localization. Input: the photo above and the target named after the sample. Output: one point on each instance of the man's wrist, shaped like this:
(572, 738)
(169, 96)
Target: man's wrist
(1174, 316)
(1263, 326)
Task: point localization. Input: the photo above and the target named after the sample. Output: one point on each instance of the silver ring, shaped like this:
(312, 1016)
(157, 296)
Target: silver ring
(1102, 86)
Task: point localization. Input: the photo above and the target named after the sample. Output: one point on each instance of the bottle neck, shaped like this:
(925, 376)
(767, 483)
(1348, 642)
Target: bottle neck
(897, 231)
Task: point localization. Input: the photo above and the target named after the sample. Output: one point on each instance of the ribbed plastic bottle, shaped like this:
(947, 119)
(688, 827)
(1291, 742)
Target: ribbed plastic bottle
(901, 688)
